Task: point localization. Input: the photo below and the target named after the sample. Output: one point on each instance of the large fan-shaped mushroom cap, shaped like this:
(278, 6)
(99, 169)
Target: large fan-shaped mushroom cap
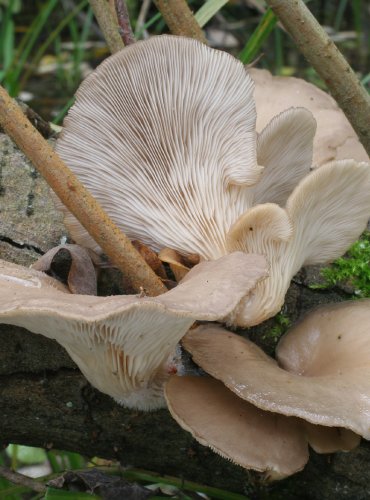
(163, 135)
(324, 372)
(125, 345)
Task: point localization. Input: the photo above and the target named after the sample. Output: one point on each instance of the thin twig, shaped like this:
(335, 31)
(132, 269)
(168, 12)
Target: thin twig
(108, 24)
(123, 17)
(77, 198)
(329, 63)
(16, 478)
(180, 19)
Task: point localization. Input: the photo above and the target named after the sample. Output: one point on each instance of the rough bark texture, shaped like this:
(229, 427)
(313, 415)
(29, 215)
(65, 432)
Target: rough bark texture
(45, 401)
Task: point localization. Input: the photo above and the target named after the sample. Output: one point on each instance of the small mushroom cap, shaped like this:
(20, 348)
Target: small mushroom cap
(124, 345)
(284, 149)
(335, 138)
(235, 429)
(330, 439)
(327, 355)
(177, 145)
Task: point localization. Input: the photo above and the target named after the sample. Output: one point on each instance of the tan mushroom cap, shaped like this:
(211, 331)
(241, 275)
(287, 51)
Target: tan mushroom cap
(330, 439)
(162, 133)
(125, 345)
(235, 429)
(328, 357)
(323, 216)
(335, 138)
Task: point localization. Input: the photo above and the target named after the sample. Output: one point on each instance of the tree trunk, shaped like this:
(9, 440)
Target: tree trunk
(46, 402)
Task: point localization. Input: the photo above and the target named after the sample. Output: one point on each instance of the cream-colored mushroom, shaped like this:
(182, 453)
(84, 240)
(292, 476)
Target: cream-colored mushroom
(335, 138)
(163, 135)
(176, 166)
(235, 429)
(324, 372)
(126, 345)
(326, 212)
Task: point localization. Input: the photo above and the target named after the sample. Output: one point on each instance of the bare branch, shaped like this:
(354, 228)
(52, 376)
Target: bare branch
(108, 24)
(180, 19)
(124, 22)
(16, 478)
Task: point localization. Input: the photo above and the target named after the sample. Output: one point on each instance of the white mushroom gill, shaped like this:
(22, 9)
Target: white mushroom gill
(126, 345)
(163, 134)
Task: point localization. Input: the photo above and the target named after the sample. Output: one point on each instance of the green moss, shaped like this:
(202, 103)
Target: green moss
(281, 324)
(352, 270)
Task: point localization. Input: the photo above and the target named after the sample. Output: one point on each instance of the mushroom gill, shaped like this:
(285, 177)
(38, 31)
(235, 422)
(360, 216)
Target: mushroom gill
(126, 345)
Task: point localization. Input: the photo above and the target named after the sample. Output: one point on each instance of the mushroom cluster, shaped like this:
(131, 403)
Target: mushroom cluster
(126, 345)
(163, 134)
(316, 393)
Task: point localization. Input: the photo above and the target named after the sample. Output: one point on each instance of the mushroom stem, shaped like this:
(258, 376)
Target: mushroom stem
(180, 19)
(108, 24)
(77, 198)
(329, 63)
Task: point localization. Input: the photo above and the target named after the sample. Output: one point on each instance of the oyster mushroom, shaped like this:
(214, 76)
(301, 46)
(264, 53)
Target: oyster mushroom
(174, 121)
(325, 213)
(177, 167)
(322, 373)
(126, 345)
(335, 138)
(262, 415)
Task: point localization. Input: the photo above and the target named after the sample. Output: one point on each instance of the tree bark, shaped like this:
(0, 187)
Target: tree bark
(46, 402)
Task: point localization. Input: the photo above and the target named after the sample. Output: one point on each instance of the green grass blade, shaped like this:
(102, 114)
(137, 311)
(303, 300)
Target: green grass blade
(55, 33)
(208, 10)
(27, 45)
(260, 34)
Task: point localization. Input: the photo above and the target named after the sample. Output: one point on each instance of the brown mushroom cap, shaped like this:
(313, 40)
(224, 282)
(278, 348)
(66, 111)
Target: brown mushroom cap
(330, 439)
(327, 355)
(235, 429)
(335, 138)
(162, 133)
(81, 275)
(125, 345)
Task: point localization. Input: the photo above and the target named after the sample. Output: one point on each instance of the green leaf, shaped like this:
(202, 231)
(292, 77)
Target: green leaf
(26, 454)
(208, 10)
(260, 34)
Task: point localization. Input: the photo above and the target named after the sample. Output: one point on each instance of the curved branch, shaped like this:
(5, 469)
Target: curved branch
(180, 19)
